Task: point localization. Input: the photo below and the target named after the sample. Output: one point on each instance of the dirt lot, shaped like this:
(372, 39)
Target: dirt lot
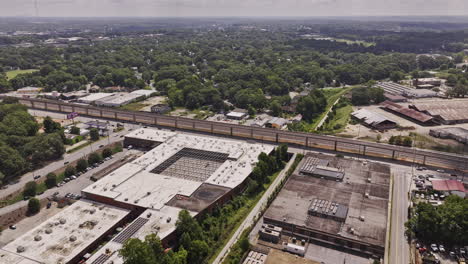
(280, 257)
(153, 101)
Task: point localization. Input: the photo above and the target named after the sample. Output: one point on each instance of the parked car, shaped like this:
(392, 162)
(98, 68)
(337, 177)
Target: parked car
(66, 179)
(66, 162)
(49, 204)
(434, 247)
(422, 196)
(440, 170)
(36, 177)
(73, 177)
(56, 193)
(441, 249)
(13, 227)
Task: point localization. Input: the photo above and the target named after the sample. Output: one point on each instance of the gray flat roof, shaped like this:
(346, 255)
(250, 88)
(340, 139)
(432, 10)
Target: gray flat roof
(68, 233)
(294, 200)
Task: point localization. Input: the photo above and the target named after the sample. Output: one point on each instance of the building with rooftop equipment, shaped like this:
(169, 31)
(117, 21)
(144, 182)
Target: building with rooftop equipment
(118, 99)
(349, 215)
(373, 120)
(237, 114)
(145, 196)
(91, 98)
(67, 236)
(180, 171)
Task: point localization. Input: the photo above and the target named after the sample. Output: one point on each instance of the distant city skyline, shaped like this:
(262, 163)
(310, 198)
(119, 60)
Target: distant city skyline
(169, 8)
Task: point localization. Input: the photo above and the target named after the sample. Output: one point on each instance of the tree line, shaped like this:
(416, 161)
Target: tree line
(22, 147)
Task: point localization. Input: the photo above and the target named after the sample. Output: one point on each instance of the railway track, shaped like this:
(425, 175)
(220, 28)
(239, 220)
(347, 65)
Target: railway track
(422, 157)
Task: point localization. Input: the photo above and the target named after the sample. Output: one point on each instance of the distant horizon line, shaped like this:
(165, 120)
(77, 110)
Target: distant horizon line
(260, 16)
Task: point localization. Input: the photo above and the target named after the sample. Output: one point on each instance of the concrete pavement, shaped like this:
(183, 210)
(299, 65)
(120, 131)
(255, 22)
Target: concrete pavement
(250, 219)
(399, 247)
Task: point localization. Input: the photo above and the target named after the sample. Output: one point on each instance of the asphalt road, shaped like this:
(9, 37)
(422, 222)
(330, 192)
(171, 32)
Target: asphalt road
(399, 247)
(114, 137)
(250, 219)
(73, 186)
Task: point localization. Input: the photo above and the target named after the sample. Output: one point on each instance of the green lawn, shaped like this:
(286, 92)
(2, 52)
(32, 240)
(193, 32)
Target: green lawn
(338, 123)
(12, 74)
(332, 95)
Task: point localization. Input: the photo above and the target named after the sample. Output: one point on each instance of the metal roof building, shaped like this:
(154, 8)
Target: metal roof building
(450, 187)
(456, 133)
(374, 120)
(445, 112)
(407, 112)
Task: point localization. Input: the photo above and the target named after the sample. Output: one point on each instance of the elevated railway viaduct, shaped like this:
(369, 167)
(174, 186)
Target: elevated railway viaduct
(308, 140)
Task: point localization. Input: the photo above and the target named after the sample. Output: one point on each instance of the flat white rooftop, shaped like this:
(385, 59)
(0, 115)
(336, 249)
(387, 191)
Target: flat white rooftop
(67, 234)
(134, 183)
(93, 97)
(118, 98)
(160, 222)
(7, 257)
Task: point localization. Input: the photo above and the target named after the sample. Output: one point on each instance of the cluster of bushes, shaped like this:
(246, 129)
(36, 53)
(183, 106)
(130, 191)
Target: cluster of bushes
(406, 141)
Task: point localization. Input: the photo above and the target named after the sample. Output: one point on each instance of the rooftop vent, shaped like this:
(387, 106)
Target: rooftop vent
(72, 238)
(48, 231)
(62, 221)
(37, 238)
(20, 249)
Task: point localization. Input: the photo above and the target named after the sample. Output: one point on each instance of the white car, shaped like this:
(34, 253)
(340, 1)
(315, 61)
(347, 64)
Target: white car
(434, 248)
(441, 249)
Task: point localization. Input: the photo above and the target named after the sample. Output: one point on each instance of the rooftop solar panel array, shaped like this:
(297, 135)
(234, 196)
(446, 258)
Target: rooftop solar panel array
(128, 232)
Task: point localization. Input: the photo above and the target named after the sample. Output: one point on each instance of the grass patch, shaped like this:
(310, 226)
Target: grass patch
(338, 123)
(425, 142)
(80, 147)
(332, 95)
(12, 74)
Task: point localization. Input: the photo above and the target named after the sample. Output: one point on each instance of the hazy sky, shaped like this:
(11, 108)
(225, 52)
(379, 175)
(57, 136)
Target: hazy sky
(93, 8)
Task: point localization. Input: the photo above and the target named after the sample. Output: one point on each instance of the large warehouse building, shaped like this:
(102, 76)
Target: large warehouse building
(181, 171)
(340, 203)
(446, 112)
(67, 236)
